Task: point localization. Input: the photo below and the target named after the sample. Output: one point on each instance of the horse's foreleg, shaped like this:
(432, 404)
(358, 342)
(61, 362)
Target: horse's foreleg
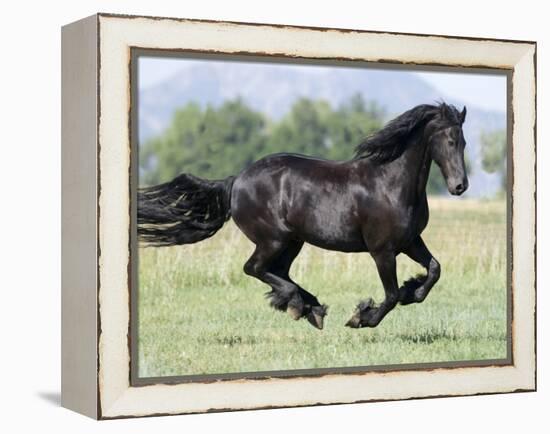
(415, 290)
(368, 315)
(271, 263)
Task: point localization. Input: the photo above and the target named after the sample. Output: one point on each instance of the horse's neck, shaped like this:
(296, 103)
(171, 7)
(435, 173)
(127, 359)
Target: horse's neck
(414, 167)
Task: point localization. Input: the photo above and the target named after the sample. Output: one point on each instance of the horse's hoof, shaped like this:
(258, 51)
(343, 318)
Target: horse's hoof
(315, 320)
(363, 307)
(355, 321)
(294, 312)
(316, 316)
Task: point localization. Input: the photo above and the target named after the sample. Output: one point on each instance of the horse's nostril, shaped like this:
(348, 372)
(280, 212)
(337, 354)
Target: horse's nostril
(459, 188)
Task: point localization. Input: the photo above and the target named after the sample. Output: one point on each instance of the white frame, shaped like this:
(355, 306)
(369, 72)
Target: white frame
(96, 217)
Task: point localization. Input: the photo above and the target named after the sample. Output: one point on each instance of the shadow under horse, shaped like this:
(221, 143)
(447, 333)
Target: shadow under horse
(376, 202)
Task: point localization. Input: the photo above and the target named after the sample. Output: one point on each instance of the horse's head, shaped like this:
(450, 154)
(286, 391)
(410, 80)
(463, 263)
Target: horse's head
(447, 144)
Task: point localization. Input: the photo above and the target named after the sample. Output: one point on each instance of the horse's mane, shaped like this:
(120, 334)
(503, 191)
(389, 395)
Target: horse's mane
(390, 142)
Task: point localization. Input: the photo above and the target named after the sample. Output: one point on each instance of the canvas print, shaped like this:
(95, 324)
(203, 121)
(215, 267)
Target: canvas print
(298, 217)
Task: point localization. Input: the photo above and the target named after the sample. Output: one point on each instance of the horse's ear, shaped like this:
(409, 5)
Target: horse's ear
(463, 115)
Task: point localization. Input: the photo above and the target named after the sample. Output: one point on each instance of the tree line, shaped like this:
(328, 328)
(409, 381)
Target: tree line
(215, 142)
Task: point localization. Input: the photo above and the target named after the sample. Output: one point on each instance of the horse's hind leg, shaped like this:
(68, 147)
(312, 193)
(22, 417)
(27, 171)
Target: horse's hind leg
(303, 304)
(368, 315)
(415, 290)
(271, 263)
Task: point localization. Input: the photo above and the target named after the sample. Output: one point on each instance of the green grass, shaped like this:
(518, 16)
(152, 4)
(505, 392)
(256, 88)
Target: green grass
(200, 314)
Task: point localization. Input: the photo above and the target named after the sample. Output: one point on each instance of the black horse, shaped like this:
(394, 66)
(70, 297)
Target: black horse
(376, 202)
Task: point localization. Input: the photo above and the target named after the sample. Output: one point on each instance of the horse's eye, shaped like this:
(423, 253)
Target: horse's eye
(452, 142)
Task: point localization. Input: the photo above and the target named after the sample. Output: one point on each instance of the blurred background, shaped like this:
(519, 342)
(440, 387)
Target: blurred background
(212, 118)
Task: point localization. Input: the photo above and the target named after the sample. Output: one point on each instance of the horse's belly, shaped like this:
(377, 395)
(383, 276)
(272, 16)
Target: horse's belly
(351, 245)
(338, 235)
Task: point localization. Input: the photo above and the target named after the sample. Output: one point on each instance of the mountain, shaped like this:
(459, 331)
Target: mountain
(272, 89)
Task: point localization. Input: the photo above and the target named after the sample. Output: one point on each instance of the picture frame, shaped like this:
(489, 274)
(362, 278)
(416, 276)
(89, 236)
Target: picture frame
(98, 182)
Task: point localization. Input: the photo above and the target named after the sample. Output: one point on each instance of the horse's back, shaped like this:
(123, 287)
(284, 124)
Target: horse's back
(275, 174)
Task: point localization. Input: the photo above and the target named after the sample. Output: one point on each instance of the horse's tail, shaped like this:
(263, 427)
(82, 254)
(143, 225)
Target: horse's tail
(183, 211)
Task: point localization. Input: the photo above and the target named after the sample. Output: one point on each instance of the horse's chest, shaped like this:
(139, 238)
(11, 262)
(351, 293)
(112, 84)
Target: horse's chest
(393, 227)
(411, 224)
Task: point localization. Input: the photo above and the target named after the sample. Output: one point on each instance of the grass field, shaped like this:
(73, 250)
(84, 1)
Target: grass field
(198, 313)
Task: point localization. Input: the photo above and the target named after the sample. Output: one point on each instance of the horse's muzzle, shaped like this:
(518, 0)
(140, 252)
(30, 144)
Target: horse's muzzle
(459, 188)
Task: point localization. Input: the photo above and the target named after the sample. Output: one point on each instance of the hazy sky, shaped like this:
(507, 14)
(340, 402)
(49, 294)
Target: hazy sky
(483, 90)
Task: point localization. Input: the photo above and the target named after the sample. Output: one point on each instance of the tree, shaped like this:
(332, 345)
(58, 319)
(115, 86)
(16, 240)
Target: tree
(212, 143)
(314, 128)
(354, 120)
(304, 130)
(493, 153)
(218, 142)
